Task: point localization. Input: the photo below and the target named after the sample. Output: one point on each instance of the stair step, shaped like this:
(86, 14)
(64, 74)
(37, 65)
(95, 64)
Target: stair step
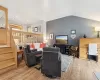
(5, 50)
(7, 69)
(6, 56)
(3, 46)
(7, 63)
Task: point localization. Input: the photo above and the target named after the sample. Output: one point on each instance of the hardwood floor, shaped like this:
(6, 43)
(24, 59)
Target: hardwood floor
(79, 70)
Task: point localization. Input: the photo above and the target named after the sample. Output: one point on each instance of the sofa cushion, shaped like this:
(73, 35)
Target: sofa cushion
(37, 45)
(42, 45)
(40, 49)
(32, 46)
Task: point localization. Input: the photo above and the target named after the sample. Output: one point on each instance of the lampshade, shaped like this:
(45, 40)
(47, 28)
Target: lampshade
(97, 28)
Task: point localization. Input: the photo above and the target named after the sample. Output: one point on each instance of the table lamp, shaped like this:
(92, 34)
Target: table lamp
(98, 31)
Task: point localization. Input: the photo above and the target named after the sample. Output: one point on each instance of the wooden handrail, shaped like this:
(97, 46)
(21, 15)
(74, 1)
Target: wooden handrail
(13, 45)
(15, 26)
(27, 33)
(25, 37)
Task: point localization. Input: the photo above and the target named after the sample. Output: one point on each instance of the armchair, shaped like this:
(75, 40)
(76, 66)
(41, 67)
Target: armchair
(29, 58)
(51, 62)
(33, 50)
(28, 49)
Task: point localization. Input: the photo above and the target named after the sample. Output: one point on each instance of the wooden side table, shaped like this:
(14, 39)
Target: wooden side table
(19, 56)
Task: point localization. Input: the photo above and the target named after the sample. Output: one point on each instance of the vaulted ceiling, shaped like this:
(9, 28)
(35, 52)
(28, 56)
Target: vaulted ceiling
(87, 9)
(30, 11)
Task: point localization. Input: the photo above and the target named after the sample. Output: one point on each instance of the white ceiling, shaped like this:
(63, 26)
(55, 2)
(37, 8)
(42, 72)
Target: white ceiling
(31, 11)
(87, 8)
(58, 8)
(23, 11)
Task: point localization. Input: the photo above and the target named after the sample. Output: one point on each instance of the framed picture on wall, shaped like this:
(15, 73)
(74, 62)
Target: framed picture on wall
(73, 31)
(51, 36)
(35, 29)
(73, 34)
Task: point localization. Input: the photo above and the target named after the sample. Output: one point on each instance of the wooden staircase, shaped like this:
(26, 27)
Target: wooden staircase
(8, 54)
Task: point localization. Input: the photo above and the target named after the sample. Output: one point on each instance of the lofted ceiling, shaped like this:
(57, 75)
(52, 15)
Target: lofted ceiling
(31, 11)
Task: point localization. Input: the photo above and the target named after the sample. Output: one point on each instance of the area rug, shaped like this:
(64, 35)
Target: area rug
(65, 62)
(97, 74)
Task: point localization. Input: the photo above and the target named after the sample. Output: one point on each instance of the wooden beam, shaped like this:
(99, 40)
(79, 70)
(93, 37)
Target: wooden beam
(15, 26)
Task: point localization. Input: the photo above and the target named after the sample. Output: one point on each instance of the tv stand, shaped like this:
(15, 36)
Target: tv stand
(63, 48)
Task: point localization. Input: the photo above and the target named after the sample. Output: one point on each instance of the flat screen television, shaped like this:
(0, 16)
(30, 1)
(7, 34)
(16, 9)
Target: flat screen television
(61, 39)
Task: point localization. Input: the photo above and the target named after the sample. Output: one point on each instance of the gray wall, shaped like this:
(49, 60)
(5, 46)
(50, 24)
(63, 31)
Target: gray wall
(63, 26)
